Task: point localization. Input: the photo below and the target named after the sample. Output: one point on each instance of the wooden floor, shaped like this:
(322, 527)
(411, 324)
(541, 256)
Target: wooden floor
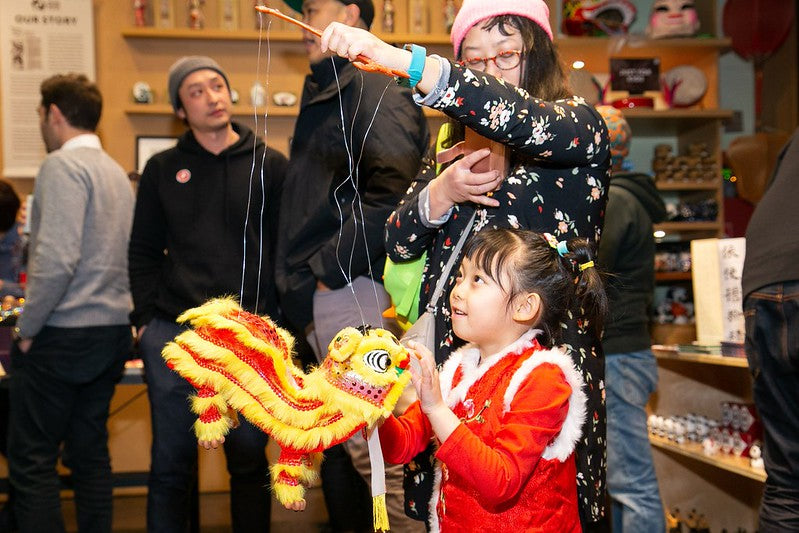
(130, 514)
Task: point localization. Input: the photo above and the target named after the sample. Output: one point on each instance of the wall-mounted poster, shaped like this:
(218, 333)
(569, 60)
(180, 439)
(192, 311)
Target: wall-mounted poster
(38, 38)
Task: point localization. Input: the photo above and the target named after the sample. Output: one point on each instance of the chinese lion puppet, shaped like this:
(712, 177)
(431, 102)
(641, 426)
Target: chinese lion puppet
(241, 362)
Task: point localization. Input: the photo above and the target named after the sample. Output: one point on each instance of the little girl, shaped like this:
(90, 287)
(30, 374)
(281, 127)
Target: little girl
(507, 408)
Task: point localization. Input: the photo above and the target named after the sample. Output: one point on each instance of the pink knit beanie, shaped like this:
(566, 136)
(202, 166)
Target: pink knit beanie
(474, 11)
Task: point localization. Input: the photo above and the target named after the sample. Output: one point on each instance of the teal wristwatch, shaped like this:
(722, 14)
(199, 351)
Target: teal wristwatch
(418, 56)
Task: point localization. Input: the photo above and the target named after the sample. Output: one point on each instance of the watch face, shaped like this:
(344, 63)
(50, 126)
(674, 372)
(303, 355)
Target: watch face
(142, 93)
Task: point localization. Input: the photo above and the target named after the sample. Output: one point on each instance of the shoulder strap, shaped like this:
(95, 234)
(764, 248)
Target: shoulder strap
(443, 135)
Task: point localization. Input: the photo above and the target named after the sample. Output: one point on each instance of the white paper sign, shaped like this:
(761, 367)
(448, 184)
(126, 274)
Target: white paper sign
(38, 38)
(717, 265)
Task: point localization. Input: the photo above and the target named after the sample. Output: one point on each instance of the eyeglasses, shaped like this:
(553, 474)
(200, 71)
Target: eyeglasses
(504, 60)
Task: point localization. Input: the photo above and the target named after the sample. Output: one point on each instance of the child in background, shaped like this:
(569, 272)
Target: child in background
(507, 408)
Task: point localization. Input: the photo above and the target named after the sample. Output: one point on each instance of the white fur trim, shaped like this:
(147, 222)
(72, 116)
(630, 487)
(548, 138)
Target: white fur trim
(432, 512)
(563, 444)
(473, 368)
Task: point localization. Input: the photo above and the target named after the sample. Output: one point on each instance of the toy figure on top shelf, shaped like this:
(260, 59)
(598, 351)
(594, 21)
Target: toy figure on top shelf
(672, 18)
(597, 17)
(196, 16)
(388, 16)
(140, 12)
(165, 14)
(450, 10)
(229, 14)
(420, 22)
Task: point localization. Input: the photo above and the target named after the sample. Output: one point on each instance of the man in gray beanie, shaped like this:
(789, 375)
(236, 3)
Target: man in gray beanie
(185, 66)
(193, 203)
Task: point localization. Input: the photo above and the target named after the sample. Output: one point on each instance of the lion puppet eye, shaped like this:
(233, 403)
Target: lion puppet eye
(377, 360)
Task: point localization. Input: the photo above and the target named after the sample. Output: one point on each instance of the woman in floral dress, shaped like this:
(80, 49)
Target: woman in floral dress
(508, 86)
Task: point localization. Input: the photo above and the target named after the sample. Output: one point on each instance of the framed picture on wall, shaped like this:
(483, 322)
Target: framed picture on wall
(146, 147)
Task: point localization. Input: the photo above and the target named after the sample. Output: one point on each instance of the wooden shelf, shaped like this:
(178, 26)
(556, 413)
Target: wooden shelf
(688, 226)
(714, 44)
(730, 463)
(639, 113)
(672, 276)
(664, 352)
(241, 111)
(712, 185)
(215, 34)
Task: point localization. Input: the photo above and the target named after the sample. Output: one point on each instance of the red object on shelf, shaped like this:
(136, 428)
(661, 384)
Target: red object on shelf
(634, 101)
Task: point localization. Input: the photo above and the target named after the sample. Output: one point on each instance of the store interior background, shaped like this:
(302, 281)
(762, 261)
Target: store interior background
(123, 61)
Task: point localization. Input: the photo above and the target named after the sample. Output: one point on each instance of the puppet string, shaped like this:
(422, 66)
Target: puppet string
(356, 205)
(261, 174)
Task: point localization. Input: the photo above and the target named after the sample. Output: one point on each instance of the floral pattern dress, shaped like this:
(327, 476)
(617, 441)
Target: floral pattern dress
(560, 187)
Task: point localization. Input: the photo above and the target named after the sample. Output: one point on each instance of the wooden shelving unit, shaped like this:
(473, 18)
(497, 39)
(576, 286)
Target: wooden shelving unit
(722, 461)
(286, 36)
(725, 488)
(241, 111)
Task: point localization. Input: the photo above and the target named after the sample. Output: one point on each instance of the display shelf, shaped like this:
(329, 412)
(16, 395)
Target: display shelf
(213, 34)
(670, 227)
(673, 276)
(687, 114)
(663, 352)
(712, 185)
(642, 44)
(730, 463)
(241, 111)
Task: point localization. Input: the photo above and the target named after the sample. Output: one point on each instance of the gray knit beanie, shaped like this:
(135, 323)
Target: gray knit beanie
(185, 66)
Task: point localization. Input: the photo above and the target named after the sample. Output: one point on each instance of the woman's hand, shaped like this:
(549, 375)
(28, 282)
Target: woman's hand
(458, 184)
(347, 41)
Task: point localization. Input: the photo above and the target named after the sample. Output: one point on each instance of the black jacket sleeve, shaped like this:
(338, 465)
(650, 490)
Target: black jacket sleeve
(384, 167)
(147, 245)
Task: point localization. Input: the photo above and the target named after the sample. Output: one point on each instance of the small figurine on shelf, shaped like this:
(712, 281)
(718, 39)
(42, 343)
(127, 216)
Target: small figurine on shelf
(672, 18)
(258, 95)
(229, 14)
(450, 10)
(196, 16)
(388, 16)
(142, 93)
(140, 12)
(419, 17)
(165, 14)
(673, 521)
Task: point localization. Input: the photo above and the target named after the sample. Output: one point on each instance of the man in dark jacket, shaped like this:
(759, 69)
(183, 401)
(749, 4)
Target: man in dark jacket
(627, 253)
(357, 144)
(197, 234)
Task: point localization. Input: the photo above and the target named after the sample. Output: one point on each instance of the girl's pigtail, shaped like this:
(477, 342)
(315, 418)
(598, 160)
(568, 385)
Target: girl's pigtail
(589, 282)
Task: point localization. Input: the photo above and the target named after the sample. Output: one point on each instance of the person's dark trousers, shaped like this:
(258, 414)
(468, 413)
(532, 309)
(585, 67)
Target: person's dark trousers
(172, 482)
(772, 348)
(347, 496)
(60, 392)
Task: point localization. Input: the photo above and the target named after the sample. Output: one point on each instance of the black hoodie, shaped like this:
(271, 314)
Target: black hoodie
(187, 242)
(627, 252)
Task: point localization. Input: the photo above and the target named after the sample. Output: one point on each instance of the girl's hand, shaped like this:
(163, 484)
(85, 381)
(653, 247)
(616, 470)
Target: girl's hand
(211, 444)
(347, 41)
(424, 377)
(299, 505)
(458, 184)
